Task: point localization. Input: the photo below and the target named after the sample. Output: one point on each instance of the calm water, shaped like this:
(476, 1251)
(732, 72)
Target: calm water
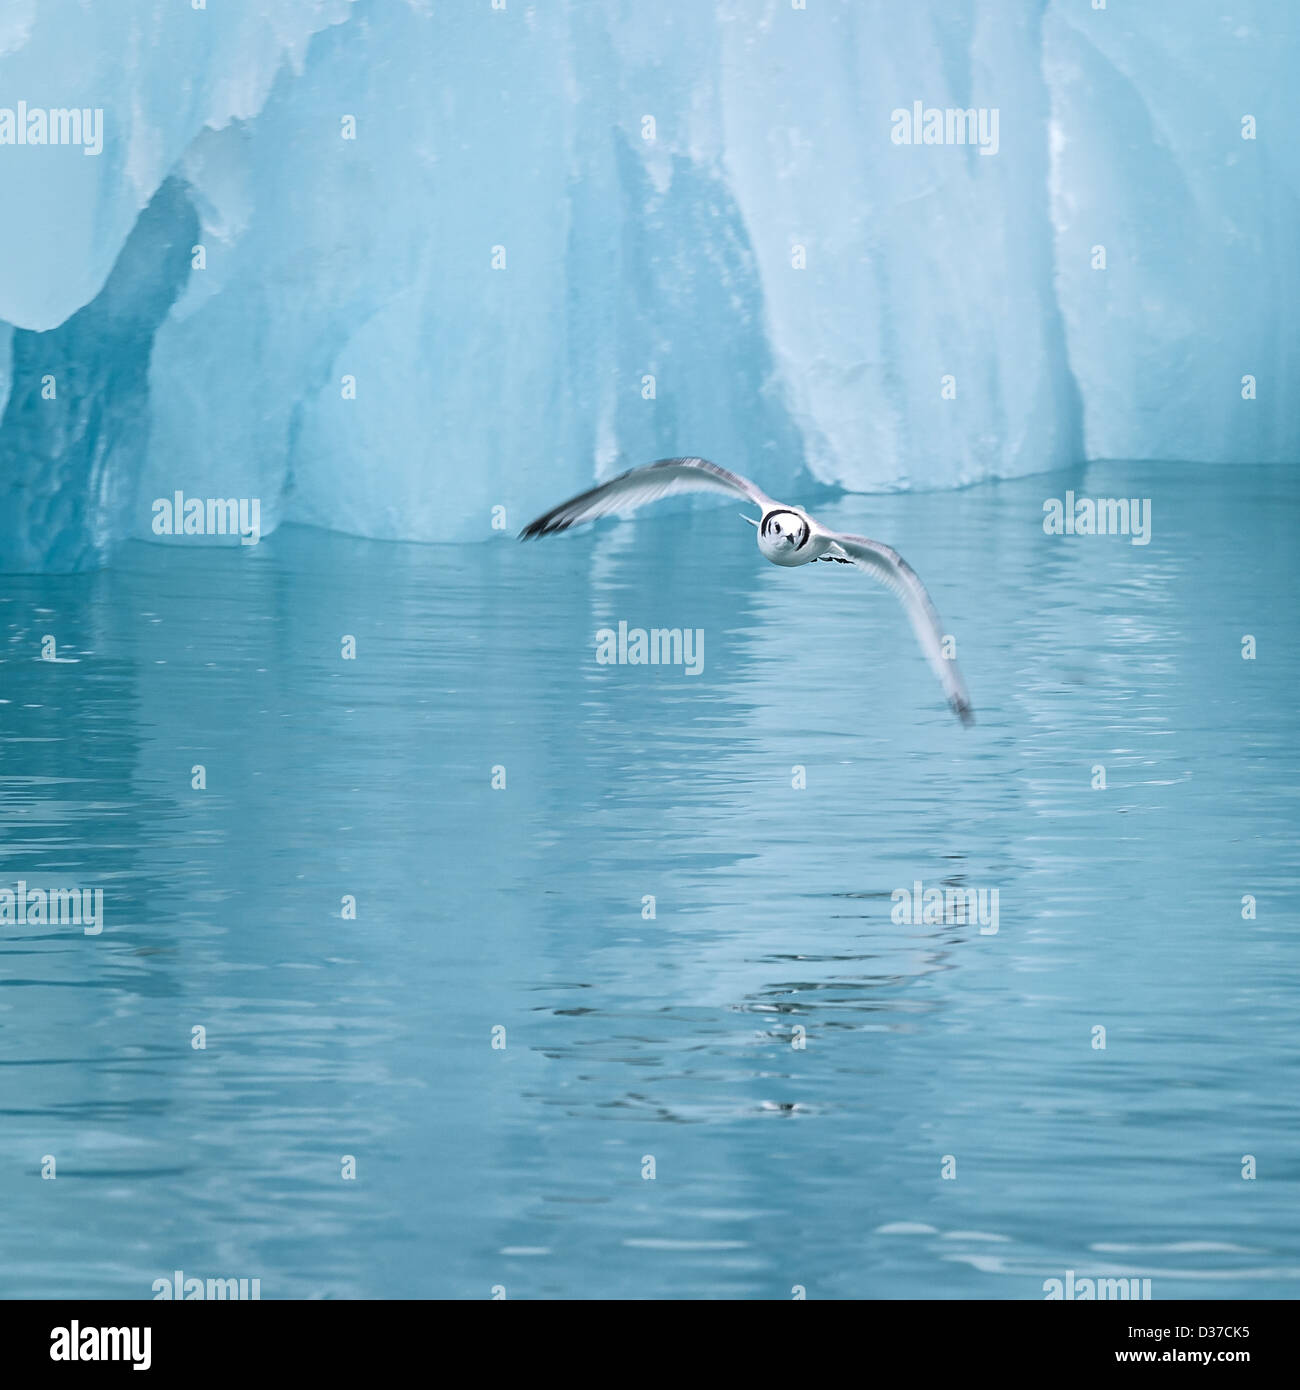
(672, 1038)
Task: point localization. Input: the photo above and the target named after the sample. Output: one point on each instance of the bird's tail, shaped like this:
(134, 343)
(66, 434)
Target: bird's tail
(749, 519)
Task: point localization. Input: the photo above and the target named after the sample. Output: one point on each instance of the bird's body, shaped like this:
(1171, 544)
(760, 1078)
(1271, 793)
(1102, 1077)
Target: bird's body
(787, 536)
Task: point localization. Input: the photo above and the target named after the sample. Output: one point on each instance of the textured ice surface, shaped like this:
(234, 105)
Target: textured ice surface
(161, 73)
(1201, 227)
(568, 238)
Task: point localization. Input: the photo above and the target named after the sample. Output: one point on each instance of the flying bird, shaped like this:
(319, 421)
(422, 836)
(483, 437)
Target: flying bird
(786, 536)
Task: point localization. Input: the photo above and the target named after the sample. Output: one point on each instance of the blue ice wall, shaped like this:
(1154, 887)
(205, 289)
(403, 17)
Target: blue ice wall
(1172, 139)
(570, 237)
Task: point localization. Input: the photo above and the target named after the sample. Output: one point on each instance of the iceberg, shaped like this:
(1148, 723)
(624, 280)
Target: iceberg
(413, 271)
(1175, 206)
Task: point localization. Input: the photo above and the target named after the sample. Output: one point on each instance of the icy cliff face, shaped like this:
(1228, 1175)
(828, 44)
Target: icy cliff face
(922, 345)
(389, 265)
(161, 72)
(492, 291)
(1174, 159)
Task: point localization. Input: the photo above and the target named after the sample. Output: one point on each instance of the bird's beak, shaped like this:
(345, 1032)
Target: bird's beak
(749, 519)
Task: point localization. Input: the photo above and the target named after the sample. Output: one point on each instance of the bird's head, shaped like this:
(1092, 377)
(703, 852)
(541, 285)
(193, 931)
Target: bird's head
(782, 530)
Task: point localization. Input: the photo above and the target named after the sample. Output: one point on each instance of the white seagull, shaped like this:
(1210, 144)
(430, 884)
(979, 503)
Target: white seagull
(786, 536)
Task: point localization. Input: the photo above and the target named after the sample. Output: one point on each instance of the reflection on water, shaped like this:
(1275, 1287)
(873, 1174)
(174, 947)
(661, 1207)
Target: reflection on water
(674, 1036)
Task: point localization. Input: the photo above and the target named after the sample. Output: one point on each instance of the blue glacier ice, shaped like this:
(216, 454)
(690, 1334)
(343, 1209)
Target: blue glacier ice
(1152, 105)
(388, 265)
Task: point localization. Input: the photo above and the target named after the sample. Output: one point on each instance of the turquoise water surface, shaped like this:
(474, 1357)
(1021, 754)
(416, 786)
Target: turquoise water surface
(761, 1086)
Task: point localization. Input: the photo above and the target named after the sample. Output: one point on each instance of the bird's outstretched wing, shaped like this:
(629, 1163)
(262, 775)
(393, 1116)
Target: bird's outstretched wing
(895, 573)
(647, 484)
